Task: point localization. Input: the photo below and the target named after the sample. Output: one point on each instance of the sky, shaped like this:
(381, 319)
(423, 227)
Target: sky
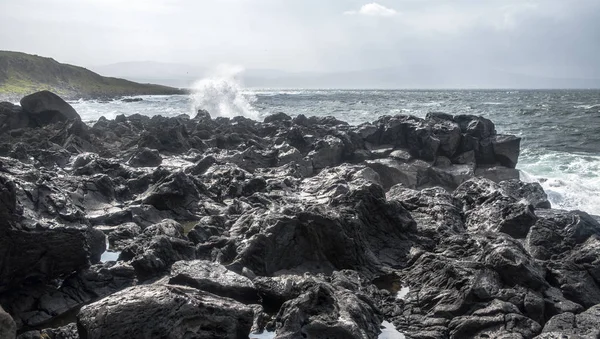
(548, 38)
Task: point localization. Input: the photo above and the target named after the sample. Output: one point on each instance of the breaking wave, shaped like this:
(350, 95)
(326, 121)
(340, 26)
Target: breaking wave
(222, 94)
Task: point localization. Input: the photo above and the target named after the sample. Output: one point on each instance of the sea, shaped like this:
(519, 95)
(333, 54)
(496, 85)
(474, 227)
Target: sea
(560, 129)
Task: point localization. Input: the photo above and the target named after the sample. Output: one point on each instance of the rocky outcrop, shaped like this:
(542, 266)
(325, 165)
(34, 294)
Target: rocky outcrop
(305, 226)
(164, 311)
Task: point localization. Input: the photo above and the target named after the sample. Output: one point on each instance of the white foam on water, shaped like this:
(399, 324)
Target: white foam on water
(402, 293)
(263, 335)
(109, 255)
(389, 331)
(222, 94)
(571, 181)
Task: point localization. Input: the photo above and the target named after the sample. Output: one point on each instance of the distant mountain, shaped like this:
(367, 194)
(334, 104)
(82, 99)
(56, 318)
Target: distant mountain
(22, 74)
(169, 74)
(415, 76)
(423, 76)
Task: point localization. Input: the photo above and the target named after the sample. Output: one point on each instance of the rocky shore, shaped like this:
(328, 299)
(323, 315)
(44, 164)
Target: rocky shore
(193, 227)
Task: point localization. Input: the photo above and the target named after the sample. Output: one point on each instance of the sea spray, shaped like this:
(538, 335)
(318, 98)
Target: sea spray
(221, 94)
(571, 180)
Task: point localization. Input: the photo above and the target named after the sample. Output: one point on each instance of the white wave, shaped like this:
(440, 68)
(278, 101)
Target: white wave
(222, 95)
(571, 181)
(587, 107)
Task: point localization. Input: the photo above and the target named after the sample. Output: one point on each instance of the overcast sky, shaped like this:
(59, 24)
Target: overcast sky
(555, 38)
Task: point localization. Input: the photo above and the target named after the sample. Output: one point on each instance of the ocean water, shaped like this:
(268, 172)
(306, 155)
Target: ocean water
(560, 128)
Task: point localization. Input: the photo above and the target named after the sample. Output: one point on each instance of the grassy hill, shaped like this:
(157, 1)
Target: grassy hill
(22, 74)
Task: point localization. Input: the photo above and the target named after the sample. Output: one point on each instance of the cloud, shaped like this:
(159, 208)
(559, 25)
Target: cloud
(373, 9)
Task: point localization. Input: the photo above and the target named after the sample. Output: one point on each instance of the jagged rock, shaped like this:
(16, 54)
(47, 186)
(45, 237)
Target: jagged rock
(145, 157)
(36, 305)
(12, 117)
(532, 192)
(506, 149)
(323, 311)
(277, 117)
(328, 152)
(569, 325)
(557, 232)
(497, 173)
(392, 172)
(214, 278)
(46, 107)
(164, 311)
(497, 317)
(488, 208)
(157, 248)
(177, 192)
(8, 328)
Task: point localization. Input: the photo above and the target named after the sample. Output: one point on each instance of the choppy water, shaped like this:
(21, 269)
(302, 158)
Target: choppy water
(560, 128)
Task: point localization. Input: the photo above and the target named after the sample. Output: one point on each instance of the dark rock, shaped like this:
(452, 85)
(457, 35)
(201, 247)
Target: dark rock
(12, 117)
(487, 208)
(392, 172)
(475, 126)
(569, 325)
(532, 192)
(8, 328)
(214, 278)
(497, 173)
(506, 149)
(164, 311)
(277, 117)
(157, 248)
(328, 152)
(46, 107)
(145, 157)
(132, 99)
(177, 192)
(497, 317)
(326, 312)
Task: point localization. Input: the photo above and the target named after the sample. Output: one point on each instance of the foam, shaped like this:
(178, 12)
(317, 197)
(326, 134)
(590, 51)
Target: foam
(222, 94)
(571, 181)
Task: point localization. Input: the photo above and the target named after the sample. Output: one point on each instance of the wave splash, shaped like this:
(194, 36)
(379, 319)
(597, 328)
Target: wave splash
(572, 181)
(221, 94)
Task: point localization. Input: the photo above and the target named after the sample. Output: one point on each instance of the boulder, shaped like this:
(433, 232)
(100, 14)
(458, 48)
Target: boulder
(12, 117)
(46, 107)
(569, 325)
(532, 192)
(8, 328)
(214, 278)
(145, 157)
(488, 208)
(392, 172)
(323, 311)
(506, 149)
(164, 311)
(327, 152)
(154, 251)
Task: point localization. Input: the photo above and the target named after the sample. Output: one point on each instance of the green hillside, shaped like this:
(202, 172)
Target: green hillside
(22, 74)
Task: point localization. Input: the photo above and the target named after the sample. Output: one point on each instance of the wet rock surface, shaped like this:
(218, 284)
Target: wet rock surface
(306, 226)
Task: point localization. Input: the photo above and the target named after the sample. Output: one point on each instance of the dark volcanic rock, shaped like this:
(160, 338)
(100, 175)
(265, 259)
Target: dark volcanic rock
(8, 329)
(323, 311)
(164, 311)
(145, 157)
(325, 228)
(46, 107)
(214, 278)
(157, 248)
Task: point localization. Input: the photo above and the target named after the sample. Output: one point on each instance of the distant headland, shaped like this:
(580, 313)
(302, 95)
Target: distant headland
(22, 74)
